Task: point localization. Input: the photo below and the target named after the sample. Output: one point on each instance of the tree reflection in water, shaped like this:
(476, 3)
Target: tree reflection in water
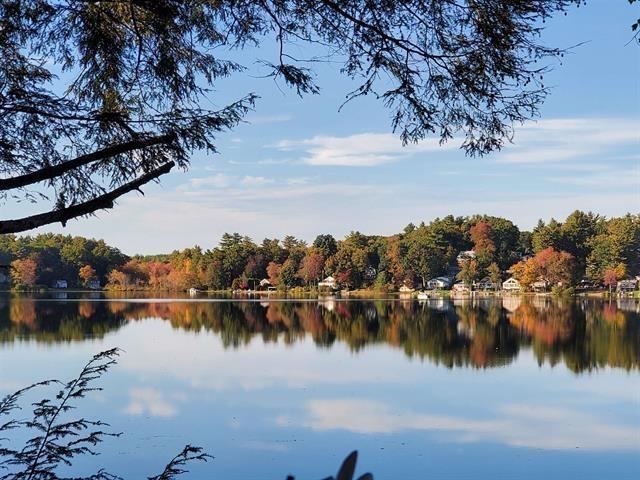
(584, 334)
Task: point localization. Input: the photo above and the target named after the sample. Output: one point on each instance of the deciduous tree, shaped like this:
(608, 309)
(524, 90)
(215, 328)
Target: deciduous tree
(86, 274)
(24, 272)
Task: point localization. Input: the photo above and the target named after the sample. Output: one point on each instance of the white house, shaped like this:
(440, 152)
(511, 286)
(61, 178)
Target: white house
(265, 283)
(328, 282)
(627, 285)
(439, 283)
(405, 289)
(511, 285)
(94, 284)
(60, 284)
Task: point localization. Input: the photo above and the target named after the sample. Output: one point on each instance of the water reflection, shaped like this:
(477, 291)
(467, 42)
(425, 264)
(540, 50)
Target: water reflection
(487, 332)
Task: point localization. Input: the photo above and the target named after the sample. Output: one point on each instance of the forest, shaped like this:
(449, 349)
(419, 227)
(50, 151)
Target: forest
(583, 247)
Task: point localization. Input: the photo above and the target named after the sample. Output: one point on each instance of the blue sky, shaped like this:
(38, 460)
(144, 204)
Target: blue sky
(301, 167)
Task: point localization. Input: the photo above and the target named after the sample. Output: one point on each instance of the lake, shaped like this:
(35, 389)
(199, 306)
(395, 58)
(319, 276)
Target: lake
(495, 388)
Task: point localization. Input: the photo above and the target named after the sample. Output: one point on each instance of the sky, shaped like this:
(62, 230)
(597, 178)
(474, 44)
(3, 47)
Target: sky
(301, 167)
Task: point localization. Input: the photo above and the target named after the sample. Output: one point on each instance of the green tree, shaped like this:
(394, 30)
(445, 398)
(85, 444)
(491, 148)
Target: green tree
(495, 275)
(469, 273)
(424, 258)
(547, 235)
(327, 244)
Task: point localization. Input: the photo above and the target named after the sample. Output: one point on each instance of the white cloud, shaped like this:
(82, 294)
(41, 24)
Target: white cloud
(566, 139)
(256, 181)
(149, 401)
(359, 150)
(534, 426)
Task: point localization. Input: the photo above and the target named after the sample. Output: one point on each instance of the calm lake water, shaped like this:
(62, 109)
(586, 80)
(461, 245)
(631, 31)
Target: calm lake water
(504, 388)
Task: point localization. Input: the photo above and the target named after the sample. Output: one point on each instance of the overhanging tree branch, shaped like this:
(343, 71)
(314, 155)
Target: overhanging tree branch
(102, 202)
(54, 171)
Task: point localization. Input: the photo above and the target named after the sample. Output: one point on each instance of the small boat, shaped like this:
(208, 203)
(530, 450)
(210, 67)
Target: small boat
(423, 296)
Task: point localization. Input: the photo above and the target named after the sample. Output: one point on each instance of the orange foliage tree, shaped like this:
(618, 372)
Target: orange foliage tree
(24, 272)
(558, 268)
(87, 273)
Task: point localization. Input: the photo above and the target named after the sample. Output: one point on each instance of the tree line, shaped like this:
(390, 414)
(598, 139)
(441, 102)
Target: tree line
(583, 246)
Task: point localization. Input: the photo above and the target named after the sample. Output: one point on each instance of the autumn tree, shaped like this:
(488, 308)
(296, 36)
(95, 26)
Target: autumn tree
(612, 274)
(311, 266)
(158, 274)
(391, 252)
(24, 272)
(139, 78)
(558, 268)
(273, 272)
(527, 272)
(482, 243)
(86, 274)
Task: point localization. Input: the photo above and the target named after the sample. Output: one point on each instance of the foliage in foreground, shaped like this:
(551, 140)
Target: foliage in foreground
(58, 440)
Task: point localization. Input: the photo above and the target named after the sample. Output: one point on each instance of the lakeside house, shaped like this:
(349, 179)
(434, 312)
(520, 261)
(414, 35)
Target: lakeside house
(486, 285)
(94, 284)
(628, 285)
(541, 285)
(328, 282)
(264, 284)
(439, 283)
(461, 287)
(60, 284)
(405, 289)
(511, 285)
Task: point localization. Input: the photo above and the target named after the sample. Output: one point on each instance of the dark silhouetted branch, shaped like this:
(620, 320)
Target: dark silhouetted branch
(54, 171)
(102, 202)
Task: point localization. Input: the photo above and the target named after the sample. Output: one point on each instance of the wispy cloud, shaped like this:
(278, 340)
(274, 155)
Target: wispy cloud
(256, 181)
(359, 150)
(534, 426)
(566, 139)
